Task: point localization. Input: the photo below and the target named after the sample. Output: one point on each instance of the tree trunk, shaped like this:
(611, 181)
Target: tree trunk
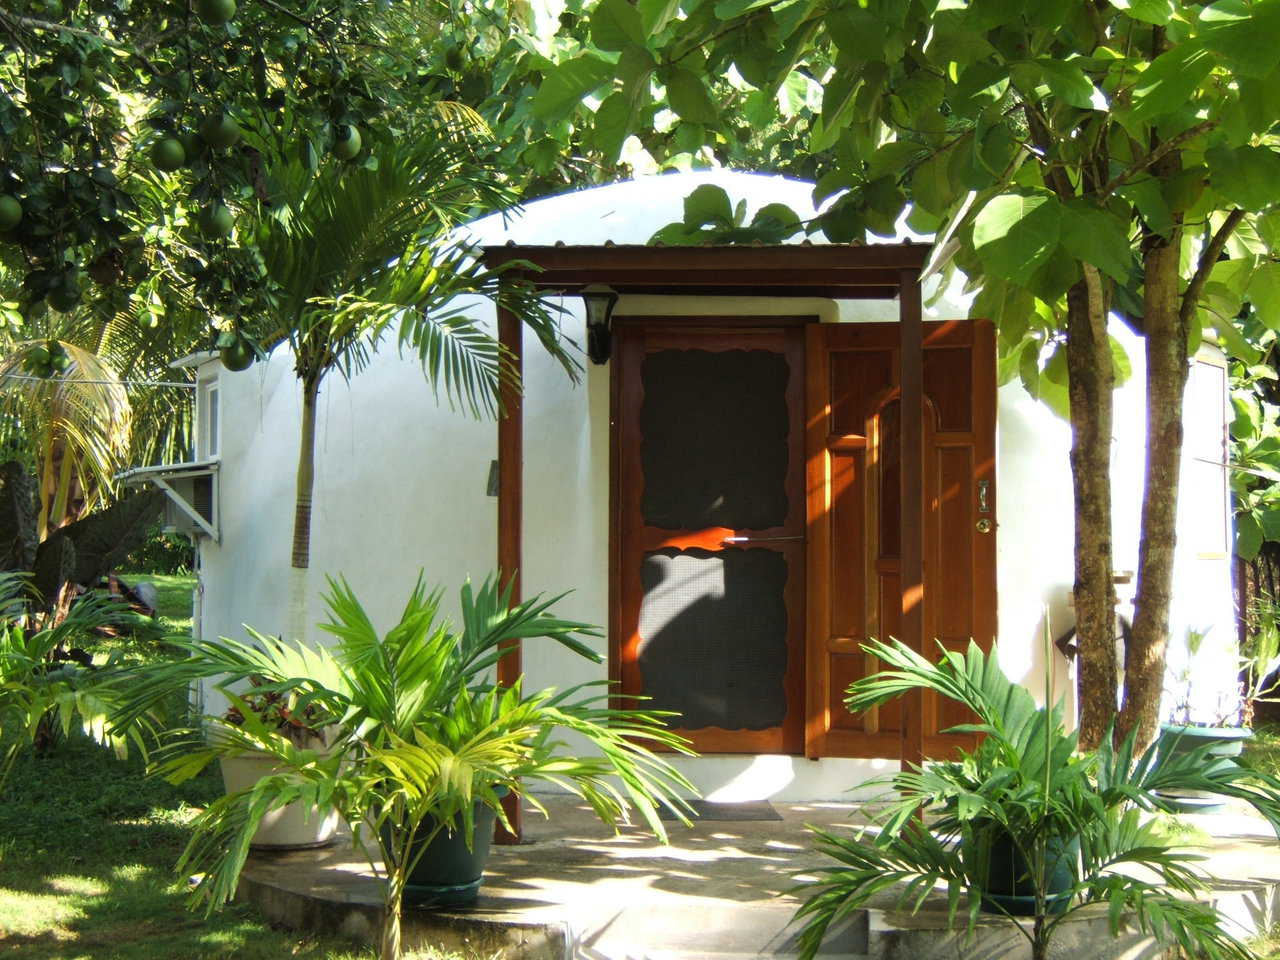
(306, 476)
(1166, 336)
(390, 946)
(299, 579)
(1091, 379)
(1040, 938)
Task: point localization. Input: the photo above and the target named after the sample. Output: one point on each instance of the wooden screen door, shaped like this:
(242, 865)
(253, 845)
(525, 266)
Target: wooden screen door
(709, 520)
(854, 533)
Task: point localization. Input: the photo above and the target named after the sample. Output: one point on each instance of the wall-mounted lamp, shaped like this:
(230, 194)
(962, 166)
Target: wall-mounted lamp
(599, 300)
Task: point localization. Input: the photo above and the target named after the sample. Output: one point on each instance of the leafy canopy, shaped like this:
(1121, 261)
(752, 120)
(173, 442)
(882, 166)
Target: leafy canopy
(1037, 139)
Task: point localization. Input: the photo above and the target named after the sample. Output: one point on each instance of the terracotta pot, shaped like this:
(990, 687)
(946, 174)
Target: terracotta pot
(294, 826)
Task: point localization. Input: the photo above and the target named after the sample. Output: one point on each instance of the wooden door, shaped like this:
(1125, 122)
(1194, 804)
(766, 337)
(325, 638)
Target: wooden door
(853, 547)
(709, 528)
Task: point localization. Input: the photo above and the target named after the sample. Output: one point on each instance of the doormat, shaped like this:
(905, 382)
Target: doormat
(706, 810)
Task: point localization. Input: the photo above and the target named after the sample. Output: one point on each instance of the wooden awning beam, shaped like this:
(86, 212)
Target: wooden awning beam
(833, 271)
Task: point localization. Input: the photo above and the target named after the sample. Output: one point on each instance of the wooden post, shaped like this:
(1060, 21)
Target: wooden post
(510, 517)
(911, 358)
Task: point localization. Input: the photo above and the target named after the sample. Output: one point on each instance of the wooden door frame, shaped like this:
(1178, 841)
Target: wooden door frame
(742, 742)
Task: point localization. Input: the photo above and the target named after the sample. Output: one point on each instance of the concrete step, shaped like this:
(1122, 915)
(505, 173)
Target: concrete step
(755, 929)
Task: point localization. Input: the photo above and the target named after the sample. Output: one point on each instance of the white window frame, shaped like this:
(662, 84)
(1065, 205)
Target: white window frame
(208, 419)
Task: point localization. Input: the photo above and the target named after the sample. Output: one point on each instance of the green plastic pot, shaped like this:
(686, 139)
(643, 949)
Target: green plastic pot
(1177, 739)
(449, 872)
(1009, 888)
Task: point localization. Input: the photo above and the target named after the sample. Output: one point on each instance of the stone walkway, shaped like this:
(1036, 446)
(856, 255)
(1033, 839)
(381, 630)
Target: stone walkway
(719, 889)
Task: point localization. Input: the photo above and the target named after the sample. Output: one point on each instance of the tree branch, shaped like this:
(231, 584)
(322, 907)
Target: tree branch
(1139, 165)
(1040, 136)
(13, 20)
(1208, 257)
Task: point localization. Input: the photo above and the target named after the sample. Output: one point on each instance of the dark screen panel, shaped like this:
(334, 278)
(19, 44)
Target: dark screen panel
(713, 447)
(713, 637)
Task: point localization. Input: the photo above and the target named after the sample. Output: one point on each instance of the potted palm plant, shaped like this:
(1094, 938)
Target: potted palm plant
(426, 745)
(1061, 821)
(274, 713)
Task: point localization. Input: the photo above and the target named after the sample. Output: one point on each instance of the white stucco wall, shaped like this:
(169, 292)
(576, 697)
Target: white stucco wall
(400, 483)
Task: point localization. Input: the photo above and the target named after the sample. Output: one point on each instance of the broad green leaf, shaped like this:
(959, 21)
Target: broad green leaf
(1167, 85)
(1055, 368)
(689, 98)
(1245, 34)
(1065, 80)
(1158, 12)
(1053, 278)
(1097, 237)
(844, 222)
(656, 14)
(1264, 293)
(1248, 536)
(731, 9)
(892, 158)
(859, 35)
(568, 83)
(931, 186)
(615, 25)
(708, 204)
(1056, 397)
(1016, 233)
(995, 148)
(837, 100)
(1147, 196)
(1247, 176)
(612, 123)
(1120, 361)
(1235, 343)
(778, 220)
(1029, 367)
(1007, 363)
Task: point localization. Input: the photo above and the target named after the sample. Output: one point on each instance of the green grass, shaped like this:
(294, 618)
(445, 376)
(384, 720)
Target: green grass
(1263, 749)
(1267, 946)
(86, 869)
(173, 602)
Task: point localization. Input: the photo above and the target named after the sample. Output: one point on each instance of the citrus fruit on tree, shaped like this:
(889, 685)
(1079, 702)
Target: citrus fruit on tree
(36, 362)
(216, 220)
(238, 356)
(168, 154)
(216, 12)
(10, 211)
(219, 130)
(64, 297)
(346, 142)
(192, 144)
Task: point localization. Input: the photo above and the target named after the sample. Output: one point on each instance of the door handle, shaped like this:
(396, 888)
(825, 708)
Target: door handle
(984, 487)
(983, 525)
(759, 539)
